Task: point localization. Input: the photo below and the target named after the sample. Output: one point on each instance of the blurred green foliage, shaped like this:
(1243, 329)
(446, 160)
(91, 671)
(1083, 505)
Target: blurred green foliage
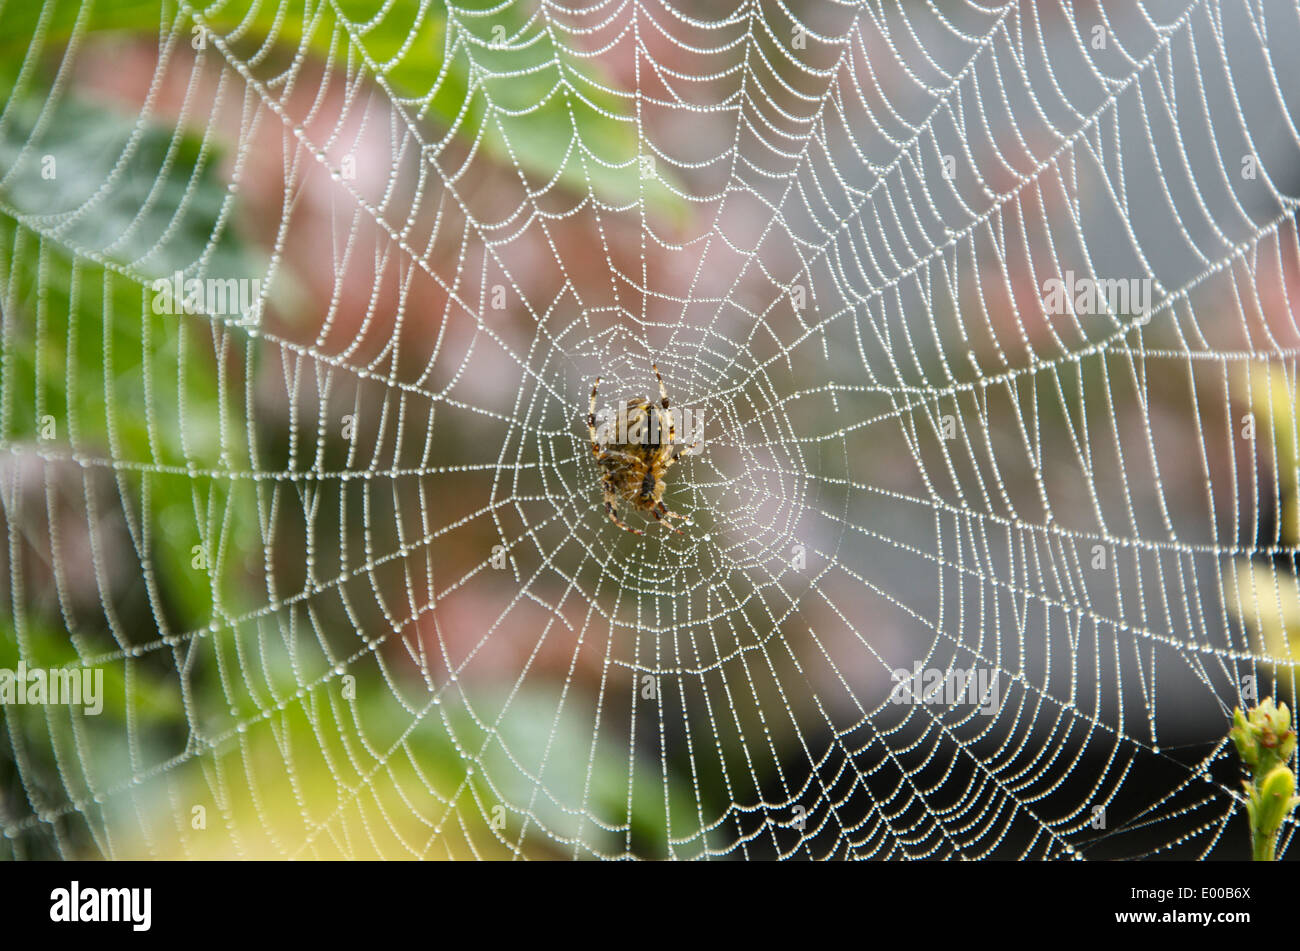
(492, 75)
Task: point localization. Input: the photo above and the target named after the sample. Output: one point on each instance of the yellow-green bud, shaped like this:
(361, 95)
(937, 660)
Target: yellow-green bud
(1274, 800)
(1244, 738)
(1263, 737)
(1286, 735)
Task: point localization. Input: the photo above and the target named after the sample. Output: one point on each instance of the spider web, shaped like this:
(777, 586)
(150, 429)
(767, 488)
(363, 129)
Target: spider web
(345, 566)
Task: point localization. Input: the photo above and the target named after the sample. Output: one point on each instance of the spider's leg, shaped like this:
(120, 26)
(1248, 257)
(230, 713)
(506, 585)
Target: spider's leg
(671, 453)
(663, 393)
(683, 450)
(666, 513)
(663, 400)
(667, 456)
(660, 519)
(609, 510)
(648, 433)
(665, 419)
(591, 420)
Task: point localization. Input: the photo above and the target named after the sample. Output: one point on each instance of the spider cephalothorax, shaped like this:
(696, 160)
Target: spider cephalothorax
(632, 471)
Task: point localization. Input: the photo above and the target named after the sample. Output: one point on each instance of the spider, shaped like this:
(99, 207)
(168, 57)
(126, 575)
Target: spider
(632, 473)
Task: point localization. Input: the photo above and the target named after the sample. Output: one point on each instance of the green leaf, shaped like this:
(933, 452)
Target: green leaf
(122, 386)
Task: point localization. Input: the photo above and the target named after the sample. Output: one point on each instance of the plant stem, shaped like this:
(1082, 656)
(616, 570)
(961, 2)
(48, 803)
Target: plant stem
(1263, 846)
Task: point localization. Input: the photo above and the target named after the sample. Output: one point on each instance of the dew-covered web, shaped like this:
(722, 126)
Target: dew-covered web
(343, 558)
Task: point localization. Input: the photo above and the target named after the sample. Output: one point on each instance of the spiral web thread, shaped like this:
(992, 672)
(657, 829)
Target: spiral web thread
(831, 232)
